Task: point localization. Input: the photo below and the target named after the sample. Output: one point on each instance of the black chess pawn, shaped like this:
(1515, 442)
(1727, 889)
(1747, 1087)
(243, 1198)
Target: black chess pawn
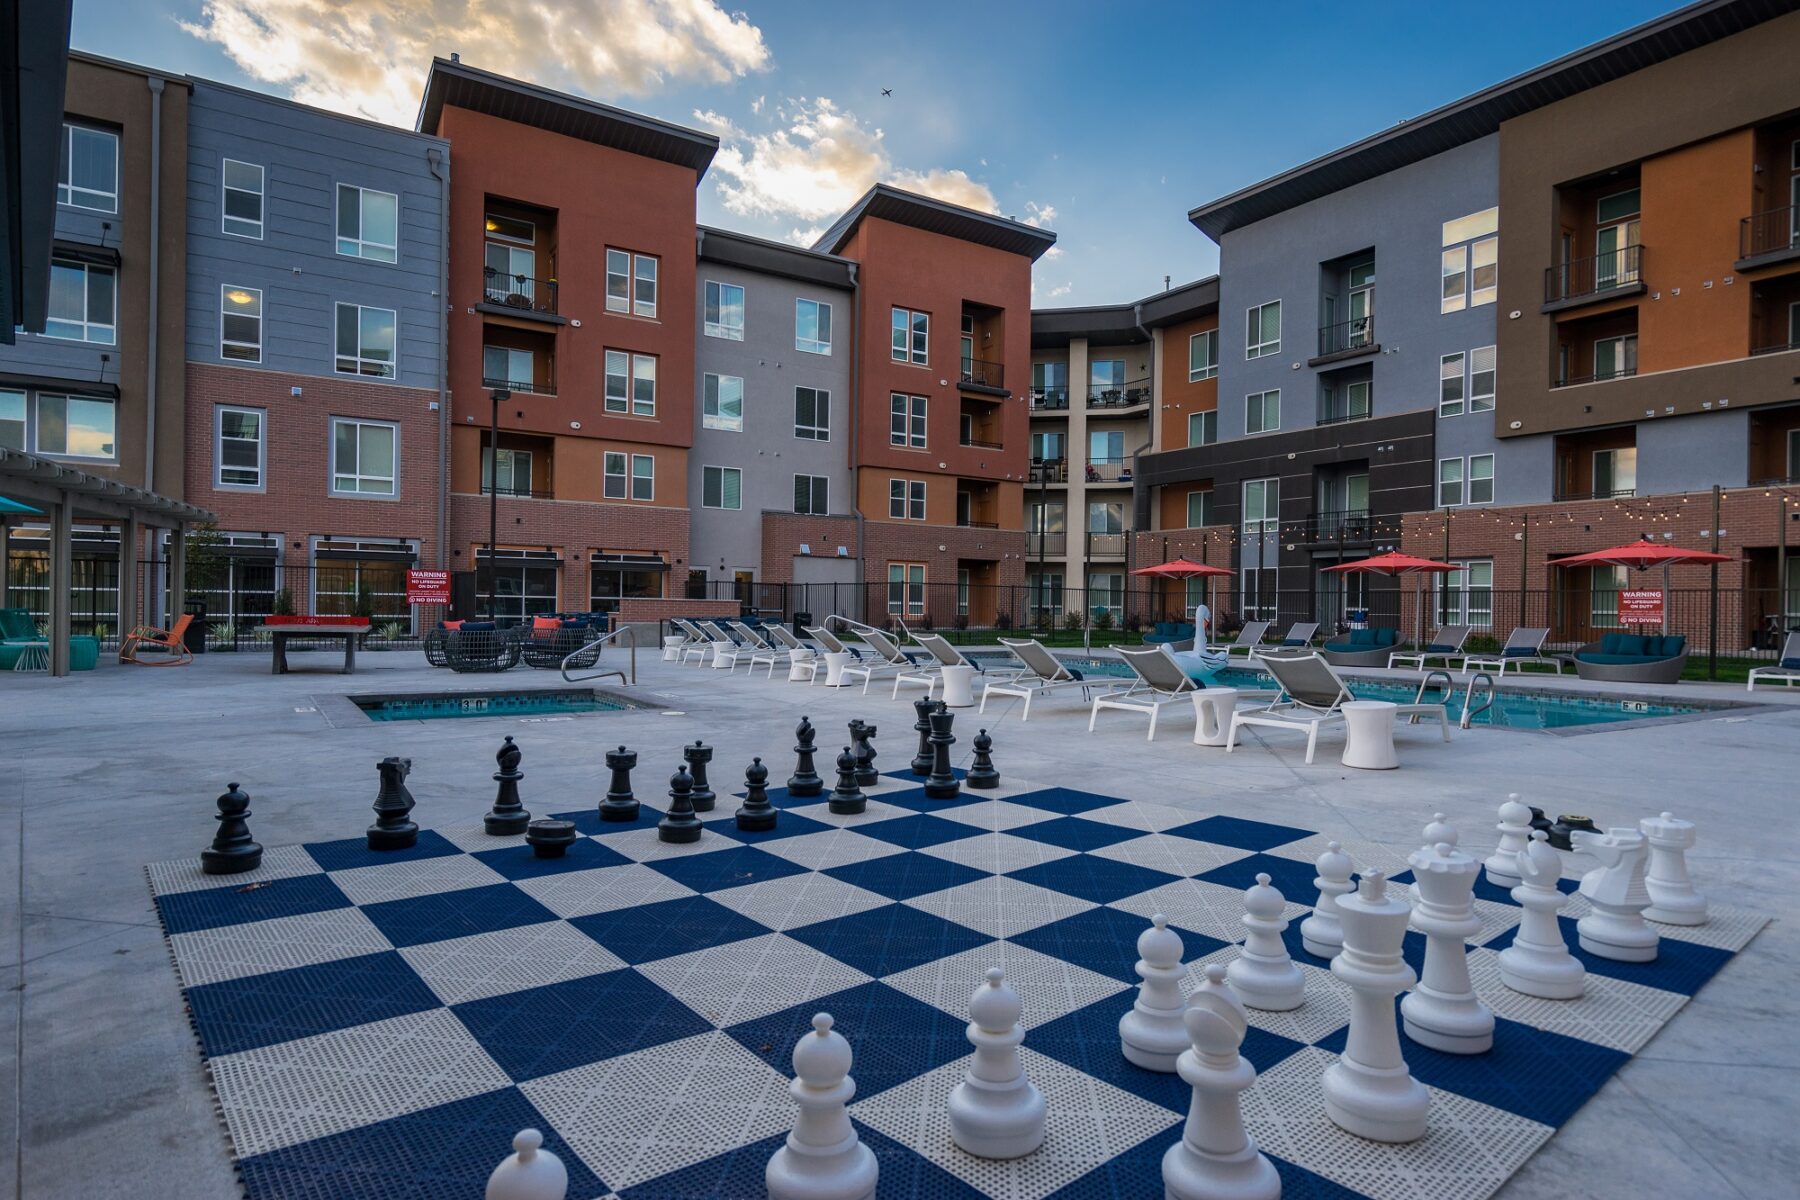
(508, 816)
(942, 783)
(805, 781)
(756, 815)
(921, 763)
(550, 838)
(846, 798)
(232, 849)
(697, 756)
(679, 824)
(981, 771)
(392, 829)
(862, 745)
(620, 804)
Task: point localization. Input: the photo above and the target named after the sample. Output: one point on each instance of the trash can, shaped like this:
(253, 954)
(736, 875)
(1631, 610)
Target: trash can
(195, 636)
(801, 621)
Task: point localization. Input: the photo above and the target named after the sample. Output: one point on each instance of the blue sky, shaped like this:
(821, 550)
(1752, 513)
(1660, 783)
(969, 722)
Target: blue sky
(1103, 122)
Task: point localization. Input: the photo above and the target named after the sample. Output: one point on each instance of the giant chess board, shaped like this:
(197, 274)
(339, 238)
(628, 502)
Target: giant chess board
(381, 1024)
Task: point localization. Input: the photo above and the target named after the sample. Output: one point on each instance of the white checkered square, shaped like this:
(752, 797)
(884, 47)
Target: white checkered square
(997, 852)
(996, 816)
(1151, 818)
(1048, 987)
(1327, 1007)
(185, 875)
(796, 900)
(836, 848)
(419, 877)
(873, 810)
(1364, 854)
(1726, 928)
(643, 845)
(469, 839)
(1000, 907)
(509, 960)
(1496, 918)
(234, 951)
(1171, 855)
(740, 981)
(1204, 908)
(1610, 1012)
(583, 893)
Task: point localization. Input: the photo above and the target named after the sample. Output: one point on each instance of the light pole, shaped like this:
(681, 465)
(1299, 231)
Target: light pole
(493, 482)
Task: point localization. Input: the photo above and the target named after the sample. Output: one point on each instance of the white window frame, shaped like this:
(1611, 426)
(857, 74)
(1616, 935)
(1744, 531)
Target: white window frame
(913, 346)
(492, 459)
(906, 497)
(358, 493)
(1262, 407)
(392, 366)
(643, 476)
(1445, 466)
(814, 344)
(912, 413)
(262, 200)
(1252, 320)
(818, 495)
(1202, 418)
(1210, 368)
(36, 425)
(627, 266)
(820, 429)
(66, 189)
(712, 402)
(911, 584)
(365, 248)
(608, 460)
(721, 506)
(1470, 479)
(1481, 395)
(1451, 369)
(1454, 265)
(1471, 252)
(225, 290)
(91, 330)
(714, 300)
(1454, 607)
(636, 367)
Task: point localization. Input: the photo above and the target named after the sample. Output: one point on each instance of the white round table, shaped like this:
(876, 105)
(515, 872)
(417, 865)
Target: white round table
(959, 687)
(1212, 715)
(1369, 735)
(834, 668)
(801, 666)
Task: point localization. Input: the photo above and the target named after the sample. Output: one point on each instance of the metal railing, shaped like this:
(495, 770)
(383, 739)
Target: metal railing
(1769, 232)
(1775, 348)
(1049, 398)
(1336, 410)
(1350, 525)
(1048, 545)
(1109, 470)
(977, 443)
(1557, 381)
(1357, 334)
(518, 291)
(545, 387)
(1108, 545)
(1125, 395)
(965, 523)
(1594, 276)
(626, 632)
(1595, 493)
(520, 493)
(1052, 470)
(983, 374)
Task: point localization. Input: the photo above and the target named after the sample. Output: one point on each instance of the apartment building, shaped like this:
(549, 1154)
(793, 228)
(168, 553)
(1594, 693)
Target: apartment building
(315, 349)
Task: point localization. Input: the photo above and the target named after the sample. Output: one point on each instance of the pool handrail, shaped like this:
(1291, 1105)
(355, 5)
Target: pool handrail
(621, 632)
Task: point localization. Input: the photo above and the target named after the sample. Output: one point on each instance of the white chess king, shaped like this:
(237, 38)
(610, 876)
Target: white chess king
(1614, 926)
(995, 1112)
(823, 1158)
(1368, 1090)
(1215, 1159)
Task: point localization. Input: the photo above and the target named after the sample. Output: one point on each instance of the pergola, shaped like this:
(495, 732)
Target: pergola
(66, 494)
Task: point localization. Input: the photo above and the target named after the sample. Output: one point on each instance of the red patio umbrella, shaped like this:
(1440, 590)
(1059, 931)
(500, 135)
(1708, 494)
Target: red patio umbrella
(1641, 556)
(1185, 568)
(1396, 563)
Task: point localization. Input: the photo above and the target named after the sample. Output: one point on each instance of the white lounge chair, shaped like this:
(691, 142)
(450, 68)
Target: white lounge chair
(698, 645)
(1043, 673)
(781, 646)
(1249, 638)
(1298, 641)
(1160, 681)
(1312, 696)
(1786, 670)
(750, 642)
(1446, 644)
(1522, 646)
(888, 657)
(725, 648)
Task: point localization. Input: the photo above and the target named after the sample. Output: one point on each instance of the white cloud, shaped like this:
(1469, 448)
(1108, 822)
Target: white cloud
(1049, 292)
(1053, 253)
(1039, 216)
(369, 57)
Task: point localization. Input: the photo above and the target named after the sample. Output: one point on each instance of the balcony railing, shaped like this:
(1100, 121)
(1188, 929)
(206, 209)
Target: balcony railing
(967, 523)
(1582, 277)
(1595, 493)
(1107, 545)
(1050, 470)
(979, 444)
(1335, 410)
(1769, 232)
(526, 492)
(1345, 336)
(1046, 545)
(1049, 398)
(983, 374)
(1125, 395)
(518, 291)
(1557, 381)
(1109, 470)
(1352, 525)
(546, 387)
(1775, 347)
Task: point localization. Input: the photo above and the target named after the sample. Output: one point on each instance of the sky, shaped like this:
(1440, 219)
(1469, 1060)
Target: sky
(1105, 122)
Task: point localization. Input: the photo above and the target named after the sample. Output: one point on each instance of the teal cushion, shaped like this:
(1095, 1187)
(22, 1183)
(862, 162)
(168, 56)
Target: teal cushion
(1638, 644)
(1619, 660)
(1440, 648)
(1673, 645)
(1387, 637)
(1362, 637)
(1519, 652)
(1610, 643)
(1790, 664)
(84, 652)
(1345, 647)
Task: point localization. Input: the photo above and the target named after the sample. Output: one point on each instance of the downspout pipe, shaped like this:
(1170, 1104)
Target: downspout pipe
(156, 96)
(856, 341)
(440, 171)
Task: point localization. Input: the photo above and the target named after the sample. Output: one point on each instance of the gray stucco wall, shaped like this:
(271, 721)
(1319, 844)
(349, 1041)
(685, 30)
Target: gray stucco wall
(766, 450)
(1691, 453)
(305, 154)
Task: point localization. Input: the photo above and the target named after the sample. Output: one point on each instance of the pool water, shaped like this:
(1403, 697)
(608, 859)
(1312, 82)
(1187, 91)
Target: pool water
(441, 706)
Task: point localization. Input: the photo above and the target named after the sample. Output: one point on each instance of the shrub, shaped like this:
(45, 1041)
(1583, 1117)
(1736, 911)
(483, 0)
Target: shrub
(284, 602)
(390, 631)
(1042, 622)
(1003, 620)
(1481, 643)
(962, 620)
(1072, 622)
(1103, 620)
(1133, 622)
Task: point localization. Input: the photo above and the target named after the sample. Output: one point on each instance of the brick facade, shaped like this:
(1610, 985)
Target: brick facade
(574, 530)
(784, 533)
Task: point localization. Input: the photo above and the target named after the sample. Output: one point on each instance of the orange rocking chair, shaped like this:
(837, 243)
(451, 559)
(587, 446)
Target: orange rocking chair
(148, 637)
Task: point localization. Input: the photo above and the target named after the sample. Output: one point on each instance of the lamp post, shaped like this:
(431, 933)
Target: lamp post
(493, 486)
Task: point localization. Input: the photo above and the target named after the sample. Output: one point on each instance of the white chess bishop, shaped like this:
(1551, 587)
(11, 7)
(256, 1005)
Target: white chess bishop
(995, 1112)
(1443, 1011)
(529, 1173)
(1368, 1090)
(1320, 932)
(1673, 900)
(1215, 1159)
(1515, 836)
(823, 1158)
(1263, 973)
(1538, 962)
(1151, 1035)
(1617, 897)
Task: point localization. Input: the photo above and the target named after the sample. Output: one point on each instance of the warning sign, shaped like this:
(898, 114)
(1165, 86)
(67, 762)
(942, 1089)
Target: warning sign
(1641, 607)
(427, 587)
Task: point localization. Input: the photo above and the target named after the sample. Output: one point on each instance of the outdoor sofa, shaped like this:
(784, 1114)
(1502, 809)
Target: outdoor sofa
(1364, 648)
(1633, 658)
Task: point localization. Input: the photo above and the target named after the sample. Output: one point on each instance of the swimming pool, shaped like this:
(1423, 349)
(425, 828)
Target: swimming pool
(438, 706)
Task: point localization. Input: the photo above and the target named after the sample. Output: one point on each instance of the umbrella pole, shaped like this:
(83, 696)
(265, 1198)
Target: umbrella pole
(1667, 596)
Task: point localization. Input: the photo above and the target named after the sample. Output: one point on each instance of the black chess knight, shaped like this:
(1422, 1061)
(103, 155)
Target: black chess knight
(393, 829)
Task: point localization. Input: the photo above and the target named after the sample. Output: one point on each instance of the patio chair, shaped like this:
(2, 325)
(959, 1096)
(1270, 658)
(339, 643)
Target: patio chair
(1248, 638)
(698, 644)
(1298, 641)
(149, 637)
(752, 642)
(777, 647)
(1043, 673)
(1446, 644)
(1160, 681)
(1786, 671)
(480, 648)
(725, 645)
(1312, 696)
(889, 657)
(1522, 646)
(946, 655)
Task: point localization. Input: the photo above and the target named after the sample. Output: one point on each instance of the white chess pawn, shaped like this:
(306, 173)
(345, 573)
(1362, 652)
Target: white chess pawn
(1263, 973)
(1443, 1011)
(1673, 900)
(1515, 836)
(1320, 932)
(995, 1112)
(823, 1158)
(528, 1173)
(1538, 962)
(1368, 1090)
(1151, 1035)
(1617, 897)
(1215, 1159)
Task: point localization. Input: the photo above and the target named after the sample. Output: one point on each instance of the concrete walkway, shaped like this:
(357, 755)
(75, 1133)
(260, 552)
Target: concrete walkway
(103, 1094)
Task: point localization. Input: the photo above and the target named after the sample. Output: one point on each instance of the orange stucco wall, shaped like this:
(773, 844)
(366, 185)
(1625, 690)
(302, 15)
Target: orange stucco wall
(1179, 397)
(1692, 200)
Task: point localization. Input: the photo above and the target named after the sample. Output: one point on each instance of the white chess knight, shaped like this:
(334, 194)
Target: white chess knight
(1320, 932)
(1151, 1035)
(1538, 962)
(1614, 926)
(1263, 973)
(1515, 836)
(823, 1158)
(528, 1173)
(1368, 1090)
(1215, 1159)
(995, 1112)
(1443, 1011)
(1673, 900)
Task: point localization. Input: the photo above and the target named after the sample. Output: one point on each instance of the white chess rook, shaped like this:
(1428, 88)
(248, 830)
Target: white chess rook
(1151, 1035)
(1673, 900)
(1538, 962)
(1215, 1159)
(528, 1173)
(1320, 932)
(1515, 834)
(1368, 1091)
(1443, 1011)
(1614, 926)
(1263, 973)
(823, 1158)
(995, 1112)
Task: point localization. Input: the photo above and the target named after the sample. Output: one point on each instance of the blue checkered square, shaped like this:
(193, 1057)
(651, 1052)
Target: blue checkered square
(418, 920)
(543, 1030)
(787, 825)
(1090, 877)
(1294, 880)
(892, 938)
(214, 908)
(1235, 831)
(522, 862)
(1679, 966)
(279, 1006)
(648, 932)
(1074, 833)
(721, 869)
(1064, 802)
(587, 820)
(903, 876)
(918, 832)
(1104, 940)
(894, 1037)
(351, 853)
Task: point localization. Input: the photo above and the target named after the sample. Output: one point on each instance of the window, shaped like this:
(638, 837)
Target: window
(721, 487)
(722, 406)
(1464, 229)
(12, 420)
(240, 323)
(364, 457)
(1466, 597)
(1047, 446)
(83, 303)
(1106, 447)
(1350, 401)
(1450, 482)
(1605, 582)
(1106, 590)
(630, 383)
(643, 477)
(514, 471)
(615, 486)
(631, 283)
(1106, 379)
(812, 414)
(1470, 272)
(1046, 592)
(1481, 379)
(1105, 516)
(505, 367)
(1615, 235)
(811, 495)
(1262, 502)
(1050, 384)
(1262, 412)
(911, 336)
(1481, 479)
(906, 589)
(724, 311)
(1262, 330)
(906, 499)
(607, 586)
(1615, 357)
(368, 223)
(1615, 473)
(1199, 508)
(906, 426)
(962, 591)
(76, 427)
(87, 175)
(812, 326)
(241, 199)
(1455, 272)
(509, 261)
(1203, 356)
(1203, 428)
(1484, 271)
(366, 341)
(1450, 385)
(238, 452)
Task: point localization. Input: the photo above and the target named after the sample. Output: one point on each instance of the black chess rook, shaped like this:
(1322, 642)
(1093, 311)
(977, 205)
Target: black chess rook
(232, 849)
(620, 804)
(697, 756)
(508, 816)
(393, 829)
(805, 780)
(756, 815)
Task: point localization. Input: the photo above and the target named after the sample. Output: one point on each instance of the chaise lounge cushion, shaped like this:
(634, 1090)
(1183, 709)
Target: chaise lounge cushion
(1604, 659)
(1387, 637)
(1362, 637)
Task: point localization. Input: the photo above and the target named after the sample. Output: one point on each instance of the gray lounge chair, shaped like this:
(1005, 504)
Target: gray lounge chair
(1044, 673)
(1312, 696)
(1249, 638)
(1522, 646)
(1786, 670)
(1446, 644)
(1160, 681)
(1298, 641)
(888, 658)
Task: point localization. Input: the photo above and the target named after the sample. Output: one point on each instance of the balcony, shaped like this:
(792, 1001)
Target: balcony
(971, 440)
(968, 523)
(981, 374)
(537, 387)
(1054, 470)
(1125, 395)
(1046, 545)
(1616, 493)
(1107, 545)
(1338, 409)
(1350, 526)
(1346, 339)
(518, 295)
(1049, 399)
(1768, 237)
(1560, 381)
(1586, 280)
(518, 491)
(1109, 470)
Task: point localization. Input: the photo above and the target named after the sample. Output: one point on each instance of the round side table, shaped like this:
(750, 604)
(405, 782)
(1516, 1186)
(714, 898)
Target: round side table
(1369, 735)
(834, 669)
(959, 687)
(1212, 715)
